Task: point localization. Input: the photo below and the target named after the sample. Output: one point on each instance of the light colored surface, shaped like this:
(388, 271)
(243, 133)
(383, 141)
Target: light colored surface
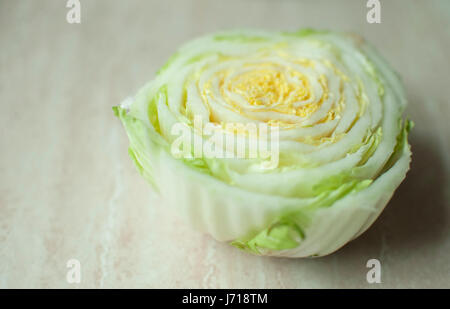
(69, 190)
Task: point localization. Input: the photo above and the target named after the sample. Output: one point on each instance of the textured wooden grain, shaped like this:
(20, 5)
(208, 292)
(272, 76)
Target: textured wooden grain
(69, 190)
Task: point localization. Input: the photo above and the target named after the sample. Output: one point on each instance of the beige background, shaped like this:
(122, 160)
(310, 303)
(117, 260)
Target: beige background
(69, 190)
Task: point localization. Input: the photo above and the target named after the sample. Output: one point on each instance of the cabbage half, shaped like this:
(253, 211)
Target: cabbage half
(343, 146)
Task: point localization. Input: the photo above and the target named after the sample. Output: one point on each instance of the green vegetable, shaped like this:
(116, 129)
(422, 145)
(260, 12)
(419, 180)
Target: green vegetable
(336, 151)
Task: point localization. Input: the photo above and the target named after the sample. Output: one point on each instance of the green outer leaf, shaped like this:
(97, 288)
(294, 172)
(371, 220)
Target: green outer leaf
(304, 32)
(287, 231)
(240, 38)
(402, 139)
(135, 160)
(141, 144)
(279, 236)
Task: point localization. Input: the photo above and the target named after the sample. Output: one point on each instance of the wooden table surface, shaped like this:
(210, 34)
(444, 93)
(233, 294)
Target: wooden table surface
(68, 189)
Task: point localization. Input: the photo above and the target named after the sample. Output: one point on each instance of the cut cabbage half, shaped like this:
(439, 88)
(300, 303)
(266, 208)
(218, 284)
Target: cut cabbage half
(342, 144)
